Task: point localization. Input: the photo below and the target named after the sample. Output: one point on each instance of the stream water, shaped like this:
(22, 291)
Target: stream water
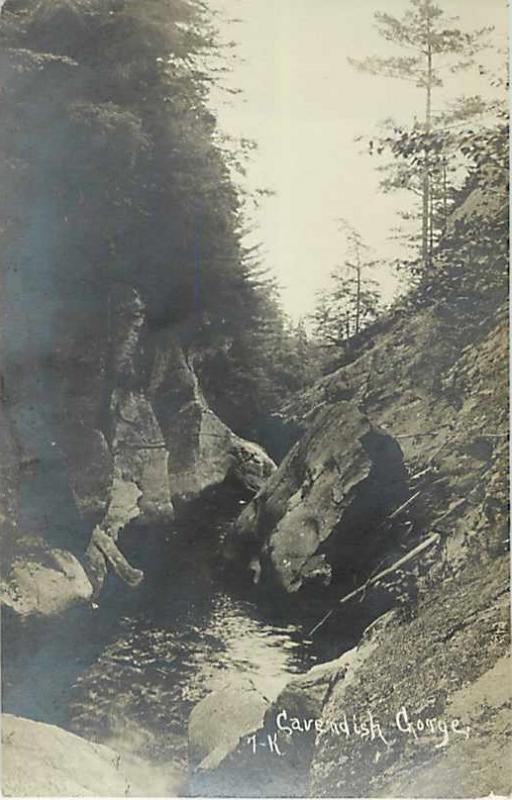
(128, 673)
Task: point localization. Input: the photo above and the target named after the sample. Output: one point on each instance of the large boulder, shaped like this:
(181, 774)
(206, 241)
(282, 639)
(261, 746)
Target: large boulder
(44, 582)
(219, 722)
(45, 761)
(317, 518)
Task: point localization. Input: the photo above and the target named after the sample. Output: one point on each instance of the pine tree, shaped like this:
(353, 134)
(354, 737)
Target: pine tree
(109, 146)
(352, 301)
(431, 49)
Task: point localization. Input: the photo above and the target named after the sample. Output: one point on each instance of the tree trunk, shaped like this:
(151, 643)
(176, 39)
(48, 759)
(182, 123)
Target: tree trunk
(445, 194)
(425, 233)
(358, 297)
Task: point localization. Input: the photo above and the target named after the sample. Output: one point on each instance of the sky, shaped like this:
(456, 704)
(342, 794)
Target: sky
(304, 105)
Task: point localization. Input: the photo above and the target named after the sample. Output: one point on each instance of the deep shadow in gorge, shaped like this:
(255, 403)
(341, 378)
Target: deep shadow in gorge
(142, 342)
(144, 658)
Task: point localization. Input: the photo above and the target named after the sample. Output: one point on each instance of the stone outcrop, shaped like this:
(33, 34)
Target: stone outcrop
(123, 508)
(135, 464)
(219, 723)
(122, 434)
(45, 761)
(140, 454)
(44, 582)
(203, 451)
(314, 521)
(435, 398)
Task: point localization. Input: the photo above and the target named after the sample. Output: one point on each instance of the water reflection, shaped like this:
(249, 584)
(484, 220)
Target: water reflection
(138, 694)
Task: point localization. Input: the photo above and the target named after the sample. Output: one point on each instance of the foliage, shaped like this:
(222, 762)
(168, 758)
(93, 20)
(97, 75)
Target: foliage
(259, 371)
(114, 174)
(352, 301)
(432, 49)
(471, 261)
(421, 30)
(334, 317)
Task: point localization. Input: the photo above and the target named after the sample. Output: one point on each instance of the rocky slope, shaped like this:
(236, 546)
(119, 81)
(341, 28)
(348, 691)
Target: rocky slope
(420, 707)
(419, 420)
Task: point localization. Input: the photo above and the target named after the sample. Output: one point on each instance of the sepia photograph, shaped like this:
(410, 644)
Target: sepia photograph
(254, 384)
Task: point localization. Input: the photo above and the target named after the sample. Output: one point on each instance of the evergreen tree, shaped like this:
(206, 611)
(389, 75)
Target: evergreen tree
(431, 48)
(353, 299)
(114, 175)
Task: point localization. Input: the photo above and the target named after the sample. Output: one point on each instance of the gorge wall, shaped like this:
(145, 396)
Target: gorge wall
(417, 419)
(124, 433)
(123, 263)
(410, 704)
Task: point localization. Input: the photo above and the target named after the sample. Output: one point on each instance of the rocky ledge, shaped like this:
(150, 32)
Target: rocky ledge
(394, 717)
(45, 761)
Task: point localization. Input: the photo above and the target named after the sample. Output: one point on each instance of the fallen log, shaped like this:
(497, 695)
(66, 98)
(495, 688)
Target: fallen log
(403, 507)
(454, 506)
(434, 538)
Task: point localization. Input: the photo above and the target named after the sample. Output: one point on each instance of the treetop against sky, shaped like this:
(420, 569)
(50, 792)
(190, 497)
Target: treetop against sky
(305, 106)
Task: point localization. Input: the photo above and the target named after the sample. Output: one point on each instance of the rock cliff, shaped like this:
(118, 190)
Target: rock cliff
(111, 431)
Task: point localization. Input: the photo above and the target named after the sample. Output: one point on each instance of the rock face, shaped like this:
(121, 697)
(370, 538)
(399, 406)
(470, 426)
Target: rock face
(90, 467)
(117, 430)
(203, 451)
(140, 454)
(45, 582)
(217, 725)
(314, 521)
(367, 447)
(46, 761)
